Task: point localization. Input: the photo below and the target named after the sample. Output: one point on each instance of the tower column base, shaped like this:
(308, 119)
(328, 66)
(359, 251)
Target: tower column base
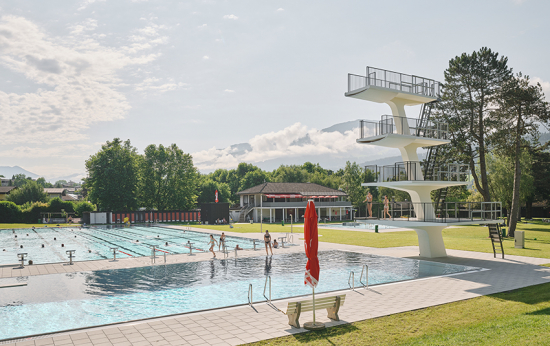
(430, 241)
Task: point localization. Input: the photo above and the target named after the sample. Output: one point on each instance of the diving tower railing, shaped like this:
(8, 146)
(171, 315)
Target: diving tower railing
(449, 212)
(394, 80)
(411, 171)
(403, 126)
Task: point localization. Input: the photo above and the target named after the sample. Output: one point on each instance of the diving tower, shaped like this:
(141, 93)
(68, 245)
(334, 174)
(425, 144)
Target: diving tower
(417, 178)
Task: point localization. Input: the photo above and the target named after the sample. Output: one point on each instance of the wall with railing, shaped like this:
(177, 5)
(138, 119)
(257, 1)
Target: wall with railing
(414, 171)
(447, 212)
(394, 80)
(390, 124)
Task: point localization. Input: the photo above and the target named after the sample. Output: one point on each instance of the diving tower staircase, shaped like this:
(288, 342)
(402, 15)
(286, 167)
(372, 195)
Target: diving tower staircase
(428, 218)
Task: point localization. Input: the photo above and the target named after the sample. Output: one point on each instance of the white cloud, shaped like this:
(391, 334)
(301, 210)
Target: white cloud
(230, 16)
(294, 140)
(86, 3)
(76, 83)
(280, 9)
(155, 84)
(202, 26)
(229, 91)
(545, 86)
(87, 25)
(518, 2)
(206, 57)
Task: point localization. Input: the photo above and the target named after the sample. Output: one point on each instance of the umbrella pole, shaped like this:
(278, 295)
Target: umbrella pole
(313, 305)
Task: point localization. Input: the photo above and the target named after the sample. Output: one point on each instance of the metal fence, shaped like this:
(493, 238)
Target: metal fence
(403, 126)
(394, 80)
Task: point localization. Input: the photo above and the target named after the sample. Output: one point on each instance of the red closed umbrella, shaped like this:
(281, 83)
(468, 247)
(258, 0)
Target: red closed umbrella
(311, 243)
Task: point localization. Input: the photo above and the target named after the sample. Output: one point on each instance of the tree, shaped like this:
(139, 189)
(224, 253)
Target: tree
(352, 179)
(252, 179)
(9, 212)
(81, 207)
(471, 85)
(29, 192)
(290, 174)
(208, 189)
(112, 181)
(520, 109)
(60, 183)
(20, 180)
(169, 179)
(540, 158)
(501, 178)
(42, 182)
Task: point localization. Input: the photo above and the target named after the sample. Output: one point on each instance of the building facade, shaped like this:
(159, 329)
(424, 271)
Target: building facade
(276, 202)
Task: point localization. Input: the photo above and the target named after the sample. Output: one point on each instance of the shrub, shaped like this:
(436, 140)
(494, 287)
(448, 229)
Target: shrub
(9, 212)
(31, 213)
(83, 206)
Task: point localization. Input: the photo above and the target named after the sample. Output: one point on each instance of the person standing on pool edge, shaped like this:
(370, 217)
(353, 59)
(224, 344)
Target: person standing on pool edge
(267, 239)
(212, 242)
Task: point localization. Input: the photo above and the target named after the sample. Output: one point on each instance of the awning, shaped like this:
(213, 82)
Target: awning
(322, 196)
(279, 195)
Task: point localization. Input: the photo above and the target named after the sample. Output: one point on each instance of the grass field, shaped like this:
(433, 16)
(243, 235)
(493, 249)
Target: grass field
(471, 238)
(519, 317)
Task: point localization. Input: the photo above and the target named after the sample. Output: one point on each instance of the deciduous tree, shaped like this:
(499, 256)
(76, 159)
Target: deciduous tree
(112, 181)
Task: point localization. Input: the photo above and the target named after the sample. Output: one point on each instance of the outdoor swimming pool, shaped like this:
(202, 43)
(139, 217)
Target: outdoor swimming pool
(58, 302)
(352, 225)
(95, 243)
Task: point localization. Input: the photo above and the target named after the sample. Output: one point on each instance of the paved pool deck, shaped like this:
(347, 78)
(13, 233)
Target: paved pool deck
(244, 324)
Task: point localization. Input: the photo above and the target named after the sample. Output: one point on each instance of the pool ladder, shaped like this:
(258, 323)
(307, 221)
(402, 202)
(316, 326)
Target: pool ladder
(365, 273)
(268, 278)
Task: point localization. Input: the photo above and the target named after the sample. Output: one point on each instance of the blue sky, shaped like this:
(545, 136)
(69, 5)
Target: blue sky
(208, 74)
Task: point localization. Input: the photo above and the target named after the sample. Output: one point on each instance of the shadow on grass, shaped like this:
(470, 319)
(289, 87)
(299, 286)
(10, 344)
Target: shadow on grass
(540, 312)
(528, 295)
(325, 334)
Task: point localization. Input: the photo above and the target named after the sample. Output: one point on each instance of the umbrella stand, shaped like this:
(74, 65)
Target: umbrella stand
(314, 325)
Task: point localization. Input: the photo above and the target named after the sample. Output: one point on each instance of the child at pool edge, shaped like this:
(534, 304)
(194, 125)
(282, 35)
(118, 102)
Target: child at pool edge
(222, 240)
(275, 244)
(212, 242)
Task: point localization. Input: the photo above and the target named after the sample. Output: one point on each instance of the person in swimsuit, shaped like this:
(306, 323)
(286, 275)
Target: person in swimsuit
(222, 240)
(386, 207)
(369, 204)
(212, 242)
(267, 239)
(275, 244)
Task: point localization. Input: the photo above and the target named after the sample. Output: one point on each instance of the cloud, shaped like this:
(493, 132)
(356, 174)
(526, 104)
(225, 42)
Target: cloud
(206, 57)
(545, 85)
(87, 25)
(202, 26)
(280, 9)
(86, 3)
(155, 84)
(230, 16)
(76, 81)
(229, 91)
(292, 141)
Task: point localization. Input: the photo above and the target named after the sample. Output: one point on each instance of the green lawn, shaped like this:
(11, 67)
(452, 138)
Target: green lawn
(519, 317)
(471, 238)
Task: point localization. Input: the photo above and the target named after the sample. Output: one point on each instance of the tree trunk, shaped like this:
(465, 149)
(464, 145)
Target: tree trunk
(529, 210)
(517, 176)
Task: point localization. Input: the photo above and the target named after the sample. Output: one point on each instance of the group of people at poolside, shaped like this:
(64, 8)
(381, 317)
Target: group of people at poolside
(267, 239)
(386, 201)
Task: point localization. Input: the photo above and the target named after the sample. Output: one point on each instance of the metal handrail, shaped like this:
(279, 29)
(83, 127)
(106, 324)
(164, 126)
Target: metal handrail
(352, 278)
(415, 171)
(365, 270)
(265, 286)
(430, 212)
(250, 297)
(22, 258)
(114, 249)
(70, 253)
(395, 81)
(390, 124)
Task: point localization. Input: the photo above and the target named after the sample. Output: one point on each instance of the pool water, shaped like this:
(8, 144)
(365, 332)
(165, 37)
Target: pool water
(95, 243)
(56, 302)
